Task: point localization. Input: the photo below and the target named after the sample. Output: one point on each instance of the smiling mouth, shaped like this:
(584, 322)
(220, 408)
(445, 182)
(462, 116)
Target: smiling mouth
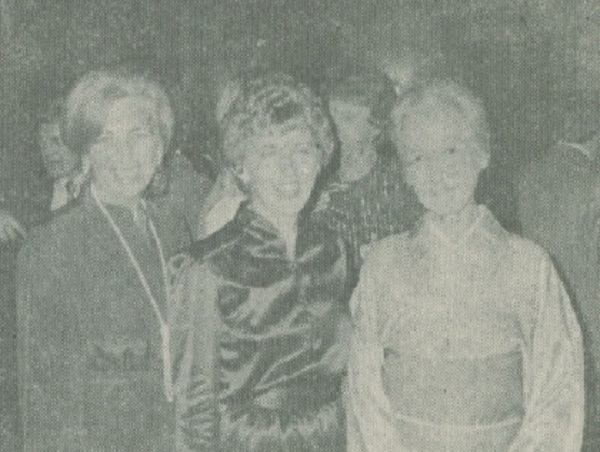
(290, 190)
(128, 173)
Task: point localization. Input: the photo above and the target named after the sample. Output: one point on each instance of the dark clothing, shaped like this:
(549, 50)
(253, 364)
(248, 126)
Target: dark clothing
(555, 196)
(254, 334)
(186, 192)
(371, 208)
(89, 344)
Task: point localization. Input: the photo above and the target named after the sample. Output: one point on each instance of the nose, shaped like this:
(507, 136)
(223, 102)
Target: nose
(286, 167)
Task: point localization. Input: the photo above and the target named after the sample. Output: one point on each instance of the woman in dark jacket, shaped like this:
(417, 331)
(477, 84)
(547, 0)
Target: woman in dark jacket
(260, 325)
(92, 299)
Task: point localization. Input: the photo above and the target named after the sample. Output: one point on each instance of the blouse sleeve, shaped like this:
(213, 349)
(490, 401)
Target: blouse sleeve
(49, 360)
(370, 427)
(192, 317)
(554, 406)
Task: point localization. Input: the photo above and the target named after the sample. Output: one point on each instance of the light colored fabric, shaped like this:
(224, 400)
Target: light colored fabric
(221, 205)
(491, 303)
(60, 195)
(66, 189)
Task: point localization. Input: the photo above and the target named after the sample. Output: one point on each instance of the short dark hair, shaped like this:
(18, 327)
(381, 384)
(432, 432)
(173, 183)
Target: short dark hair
(365, 87)
(53, 111)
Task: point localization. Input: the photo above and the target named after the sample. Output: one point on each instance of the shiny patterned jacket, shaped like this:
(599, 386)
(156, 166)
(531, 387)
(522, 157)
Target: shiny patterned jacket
(259, 349)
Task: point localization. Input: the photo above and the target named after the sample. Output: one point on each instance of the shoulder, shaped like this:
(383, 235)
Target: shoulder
(56, 236)
(526, 258)
(388, 250)
(50, 257)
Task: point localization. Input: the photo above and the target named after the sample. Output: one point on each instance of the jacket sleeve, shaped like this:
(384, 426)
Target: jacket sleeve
(49, 356)
(194, 357)
(554, 404)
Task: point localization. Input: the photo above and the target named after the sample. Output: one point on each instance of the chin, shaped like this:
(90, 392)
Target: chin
(131, 191)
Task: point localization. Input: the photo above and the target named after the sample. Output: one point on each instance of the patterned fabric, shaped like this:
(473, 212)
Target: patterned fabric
(90, 366)
(371, 208)
(466, 345)
(275, 340)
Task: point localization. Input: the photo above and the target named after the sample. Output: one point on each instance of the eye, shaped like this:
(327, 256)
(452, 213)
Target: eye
(417, 159)
(451, 151)
(102, 139)
(140, 132)
(305, 150)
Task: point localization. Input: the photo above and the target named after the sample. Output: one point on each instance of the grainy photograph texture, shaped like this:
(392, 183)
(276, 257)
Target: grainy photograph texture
(300, 225)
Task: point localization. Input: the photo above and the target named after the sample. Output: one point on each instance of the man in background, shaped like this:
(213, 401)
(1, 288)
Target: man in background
(559, 208)
(62, 165)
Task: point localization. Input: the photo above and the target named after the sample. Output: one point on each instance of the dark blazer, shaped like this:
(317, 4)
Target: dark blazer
(90, 366)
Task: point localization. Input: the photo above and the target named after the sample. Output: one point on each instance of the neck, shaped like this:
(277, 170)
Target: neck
(286, 225)
(454, 225)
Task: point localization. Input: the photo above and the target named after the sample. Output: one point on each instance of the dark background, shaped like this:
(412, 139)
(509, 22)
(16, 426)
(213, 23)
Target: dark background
(526, 59)
(529, 60)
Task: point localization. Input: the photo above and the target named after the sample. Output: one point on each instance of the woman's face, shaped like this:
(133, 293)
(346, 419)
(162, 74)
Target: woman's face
(59, 161)
(125, 156)
(443, 158)
(356, 135)
(280, 170)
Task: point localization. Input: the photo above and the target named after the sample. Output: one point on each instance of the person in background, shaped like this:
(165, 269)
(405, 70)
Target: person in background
(93, 330)
(226, 195)
(178, 186)
(465, 339)
(559, 208)
(260, 328)
(370, 199)
(62, 165)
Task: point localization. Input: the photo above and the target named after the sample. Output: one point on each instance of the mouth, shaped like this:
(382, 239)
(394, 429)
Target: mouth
(290, 190)
(128, 174)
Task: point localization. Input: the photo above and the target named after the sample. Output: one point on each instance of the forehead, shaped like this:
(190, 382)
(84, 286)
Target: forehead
(435, 128)
(284, 136)
(128, 112)
(50, 129)
(343, 109)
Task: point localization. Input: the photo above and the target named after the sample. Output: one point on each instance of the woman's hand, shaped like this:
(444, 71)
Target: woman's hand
(10, 228)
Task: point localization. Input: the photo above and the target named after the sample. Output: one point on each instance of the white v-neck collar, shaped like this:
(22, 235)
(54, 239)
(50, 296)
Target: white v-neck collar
(455, 244)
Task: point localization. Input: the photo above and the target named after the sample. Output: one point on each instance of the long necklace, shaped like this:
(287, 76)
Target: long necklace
(164, 326)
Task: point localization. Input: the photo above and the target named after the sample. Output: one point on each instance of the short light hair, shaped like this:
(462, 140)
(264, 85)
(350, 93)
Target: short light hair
(88, 102)
(440, 94)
